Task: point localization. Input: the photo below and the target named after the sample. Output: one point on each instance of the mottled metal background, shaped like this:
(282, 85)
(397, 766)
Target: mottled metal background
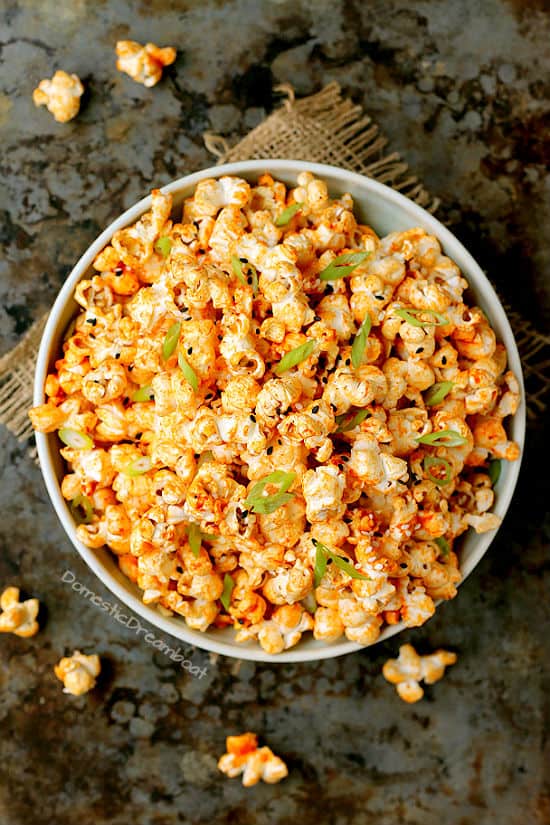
(462, 88)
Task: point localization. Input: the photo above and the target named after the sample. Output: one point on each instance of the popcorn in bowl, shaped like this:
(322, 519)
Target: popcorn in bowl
(277, 421)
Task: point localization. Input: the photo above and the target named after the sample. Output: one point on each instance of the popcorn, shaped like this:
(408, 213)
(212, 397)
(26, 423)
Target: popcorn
(225, 409)
(409, 669)
(61, 95)
(78, 672)
(144, 64)
(244, 757)
(18, 617)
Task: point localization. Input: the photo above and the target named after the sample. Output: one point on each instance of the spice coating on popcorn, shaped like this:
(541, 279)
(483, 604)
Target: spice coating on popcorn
(61, 95)
(277, 385)
(245, 757)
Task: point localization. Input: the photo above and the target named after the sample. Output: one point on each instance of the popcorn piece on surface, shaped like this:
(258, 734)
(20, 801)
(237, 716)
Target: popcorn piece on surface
(18, 617)
(244, 756)
(61, 95)
(78, 672)
(409, 669)
(144, 64)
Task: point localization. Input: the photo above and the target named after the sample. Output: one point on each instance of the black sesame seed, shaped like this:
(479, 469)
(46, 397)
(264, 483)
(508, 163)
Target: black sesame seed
(244, 513)
(329, 289)
(348, 362)
(185, 309)
(189, 350)
(420, 349)
(118, 270)
(379, 297)
(138, 436)
(340, 467)
(345, 458)
(92, 321)
(240, 621)
(402, 565)
(315, 409)
(324, 379)
(253, 418)
(249, 280)
(444, 360)
(269, 450)
(316, 317)
(117, 355)
(130, 368)
(243, 260)
(314, 541)
(329, 561)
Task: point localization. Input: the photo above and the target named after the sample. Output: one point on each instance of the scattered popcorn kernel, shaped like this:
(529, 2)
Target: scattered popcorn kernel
(78, 672)
(144, 64)
(409, 669)
(244, 756)
(18, 617)
(61, 95)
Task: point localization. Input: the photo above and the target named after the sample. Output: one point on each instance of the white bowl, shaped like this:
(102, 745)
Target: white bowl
(386, 211)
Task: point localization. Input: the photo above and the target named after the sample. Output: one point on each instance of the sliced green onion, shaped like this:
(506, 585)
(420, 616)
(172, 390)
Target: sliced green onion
(208, 455)
(138, 467)
(171, 340)
(82, 509)
(360, 342)
(254, 276)
(443, 545)
(195, 536)
(345, 423)
(309, 603)
(258, 503)
(342, 265)
(437, 392)
(411, 317)
(339, 562)
(188, 372)
(228, 585)
(443, 438)
(163, 246)
(143, 394)
(295, 356)
(434, 461)
(287, 214)
(494, 471)
(75, 439)
(237, 267)
(320, 564)
(268, 504)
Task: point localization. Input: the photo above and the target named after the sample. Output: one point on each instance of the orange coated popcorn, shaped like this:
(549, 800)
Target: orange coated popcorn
(277, 421)
(244, 757)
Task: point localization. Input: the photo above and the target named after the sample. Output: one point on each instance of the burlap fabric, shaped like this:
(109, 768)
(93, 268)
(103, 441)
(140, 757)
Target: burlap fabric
(322, 128)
